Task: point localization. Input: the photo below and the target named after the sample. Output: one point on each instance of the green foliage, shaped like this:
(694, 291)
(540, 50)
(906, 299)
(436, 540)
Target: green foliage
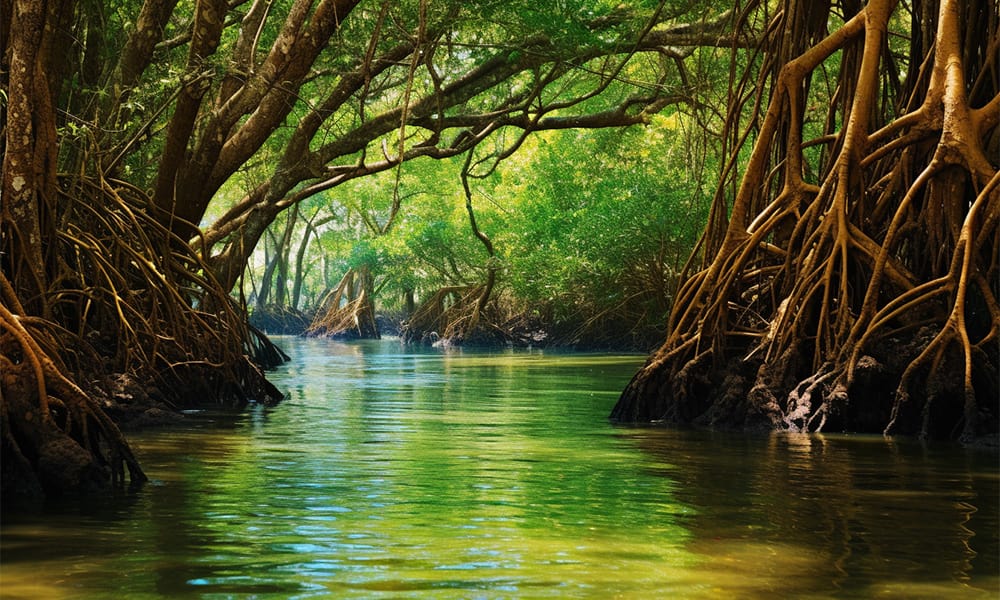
(588, 225)
(584, 222)
(601, 222)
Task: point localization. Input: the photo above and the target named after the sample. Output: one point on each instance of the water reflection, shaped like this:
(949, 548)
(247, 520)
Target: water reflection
(449, 474)
(839, 516)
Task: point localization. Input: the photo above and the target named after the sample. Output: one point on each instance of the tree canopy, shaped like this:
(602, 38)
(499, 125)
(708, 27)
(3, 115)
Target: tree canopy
(157, 155)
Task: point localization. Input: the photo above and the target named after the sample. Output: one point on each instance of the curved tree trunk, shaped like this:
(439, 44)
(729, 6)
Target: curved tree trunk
(276, 267)
(469, 330)
(855, 283)
(458, 315)
(300, 256)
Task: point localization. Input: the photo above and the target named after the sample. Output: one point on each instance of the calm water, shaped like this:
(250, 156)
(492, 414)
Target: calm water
(389, 474)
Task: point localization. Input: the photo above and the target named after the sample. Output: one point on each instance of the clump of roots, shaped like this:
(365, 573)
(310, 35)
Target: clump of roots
(456, 316)
(124, 300)
(869, 300)
(347, 311)
(55, 437)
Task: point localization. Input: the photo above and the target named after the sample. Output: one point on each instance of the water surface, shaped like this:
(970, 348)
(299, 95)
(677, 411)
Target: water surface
(393, 473)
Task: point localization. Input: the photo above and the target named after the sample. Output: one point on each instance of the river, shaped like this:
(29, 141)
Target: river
(399, 473)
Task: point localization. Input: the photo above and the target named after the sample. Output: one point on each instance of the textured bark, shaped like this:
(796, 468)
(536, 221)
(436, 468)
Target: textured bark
(178, 209)
(137, 54)
(29, 161)
(266, 98)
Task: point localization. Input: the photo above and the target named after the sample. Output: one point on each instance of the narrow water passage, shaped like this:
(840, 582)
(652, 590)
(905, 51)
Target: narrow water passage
(455, 474)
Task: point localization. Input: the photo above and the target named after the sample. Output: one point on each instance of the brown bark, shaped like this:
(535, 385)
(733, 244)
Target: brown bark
(53, 437)
(137, 54)
(178, 211)
(29, 162)
(110, 104)
(267, 96)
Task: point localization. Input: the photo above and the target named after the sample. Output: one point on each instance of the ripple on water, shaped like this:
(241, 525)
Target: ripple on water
(391, 473)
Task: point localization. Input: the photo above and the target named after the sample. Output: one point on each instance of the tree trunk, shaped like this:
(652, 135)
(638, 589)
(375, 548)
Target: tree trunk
(179, 210)
(300, 256)
(267, 278)
(54, 437)
(409, 303)
(29, 163)
(284, 251)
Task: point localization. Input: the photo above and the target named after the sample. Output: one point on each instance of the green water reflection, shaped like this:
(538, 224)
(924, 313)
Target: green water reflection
(395, 474)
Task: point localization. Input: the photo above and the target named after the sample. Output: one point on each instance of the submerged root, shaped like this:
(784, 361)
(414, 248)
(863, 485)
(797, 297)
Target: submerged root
(55, 437)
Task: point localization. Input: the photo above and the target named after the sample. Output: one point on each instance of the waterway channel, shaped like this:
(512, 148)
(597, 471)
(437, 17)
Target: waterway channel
(392, 472)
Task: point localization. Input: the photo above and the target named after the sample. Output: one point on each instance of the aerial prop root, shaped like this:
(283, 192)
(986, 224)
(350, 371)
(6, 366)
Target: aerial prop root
(963, 273)
(436, 317)
(456, 315)
(347, 309)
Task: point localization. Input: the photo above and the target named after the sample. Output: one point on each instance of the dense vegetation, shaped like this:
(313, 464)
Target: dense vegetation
(769, 175)
(587, 243)
(149, 146)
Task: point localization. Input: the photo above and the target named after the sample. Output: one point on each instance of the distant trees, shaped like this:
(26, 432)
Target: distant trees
(587, 246)
(479, 96)
(849, 276)
(600, 224)
(402, 81)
